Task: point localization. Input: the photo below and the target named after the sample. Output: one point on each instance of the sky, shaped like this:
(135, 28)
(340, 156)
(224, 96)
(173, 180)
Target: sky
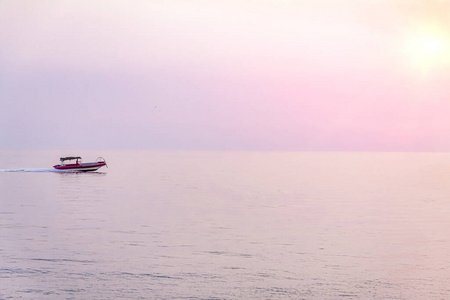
(305, 75)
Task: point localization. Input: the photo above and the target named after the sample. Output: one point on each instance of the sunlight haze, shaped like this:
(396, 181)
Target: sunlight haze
(325, 75)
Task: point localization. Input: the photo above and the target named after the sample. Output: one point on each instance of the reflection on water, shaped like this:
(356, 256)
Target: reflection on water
(227, 225)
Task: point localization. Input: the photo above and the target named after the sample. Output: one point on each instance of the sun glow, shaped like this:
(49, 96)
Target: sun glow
(429, 48)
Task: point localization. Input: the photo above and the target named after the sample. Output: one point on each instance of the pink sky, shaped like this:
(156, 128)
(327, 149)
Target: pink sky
(250, 74)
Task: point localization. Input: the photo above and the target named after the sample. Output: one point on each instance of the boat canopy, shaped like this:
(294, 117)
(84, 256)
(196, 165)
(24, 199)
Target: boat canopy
(69, 158)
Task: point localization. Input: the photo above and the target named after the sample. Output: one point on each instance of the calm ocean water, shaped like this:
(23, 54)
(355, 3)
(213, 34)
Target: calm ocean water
(226, 225)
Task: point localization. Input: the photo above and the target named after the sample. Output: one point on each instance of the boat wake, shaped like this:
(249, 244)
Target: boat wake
(77, 167)
(28, 170)
(42, 170)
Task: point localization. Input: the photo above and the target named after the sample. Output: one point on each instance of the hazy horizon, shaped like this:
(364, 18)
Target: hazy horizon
(341, 75)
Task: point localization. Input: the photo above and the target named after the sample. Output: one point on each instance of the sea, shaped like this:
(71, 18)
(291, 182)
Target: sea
(225, 225)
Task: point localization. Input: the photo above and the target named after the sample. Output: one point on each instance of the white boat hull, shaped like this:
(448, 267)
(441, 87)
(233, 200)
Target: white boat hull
(81, 169)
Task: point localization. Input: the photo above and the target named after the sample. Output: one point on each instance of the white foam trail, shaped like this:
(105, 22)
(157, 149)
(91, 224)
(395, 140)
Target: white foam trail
(46, 170)
(29, 170)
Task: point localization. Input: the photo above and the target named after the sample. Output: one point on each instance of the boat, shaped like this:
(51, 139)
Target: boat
(78, 165)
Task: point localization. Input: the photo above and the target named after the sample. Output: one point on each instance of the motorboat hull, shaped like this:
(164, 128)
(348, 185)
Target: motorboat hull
(84, 167)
